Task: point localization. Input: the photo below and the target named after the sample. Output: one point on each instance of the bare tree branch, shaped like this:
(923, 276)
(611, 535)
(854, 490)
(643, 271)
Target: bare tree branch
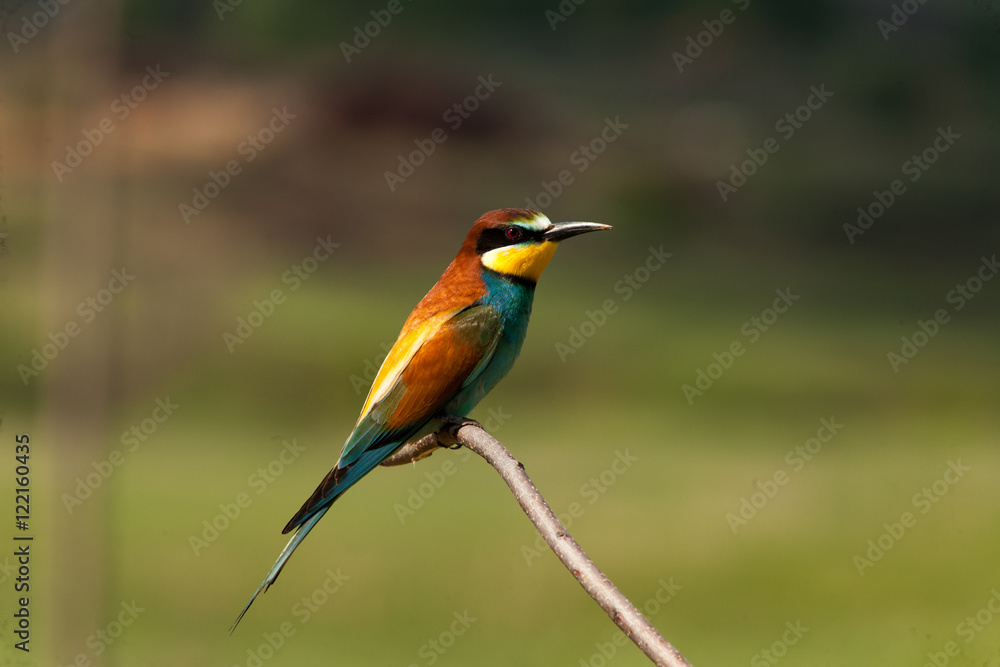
(413, 451)
(471, 435)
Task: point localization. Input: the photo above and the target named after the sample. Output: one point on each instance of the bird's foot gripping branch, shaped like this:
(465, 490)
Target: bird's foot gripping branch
(445, 437)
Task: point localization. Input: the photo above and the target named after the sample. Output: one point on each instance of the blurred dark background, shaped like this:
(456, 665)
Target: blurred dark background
(207, 152)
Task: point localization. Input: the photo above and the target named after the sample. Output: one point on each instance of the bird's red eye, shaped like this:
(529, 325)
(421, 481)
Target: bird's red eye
(513, 233)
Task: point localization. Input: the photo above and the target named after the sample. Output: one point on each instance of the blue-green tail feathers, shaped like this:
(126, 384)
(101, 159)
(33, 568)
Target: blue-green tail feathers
(332, 487)
(286, 553)
(339, 480)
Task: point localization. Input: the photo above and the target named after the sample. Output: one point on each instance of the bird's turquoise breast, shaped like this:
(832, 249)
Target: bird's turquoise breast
(512, 299)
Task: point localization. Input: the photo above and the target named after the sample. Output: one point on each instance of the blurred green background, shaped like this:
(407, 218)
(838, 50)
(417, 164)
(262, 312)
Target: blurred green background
(413, 547)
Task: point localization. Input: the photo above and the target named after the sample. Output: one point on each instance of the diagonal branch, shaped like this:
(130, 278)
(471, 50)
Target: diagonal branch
(471, 435)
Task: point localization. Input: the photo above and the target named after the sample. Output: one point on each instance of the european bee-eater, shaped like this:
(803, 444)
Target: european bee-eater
(455, 346)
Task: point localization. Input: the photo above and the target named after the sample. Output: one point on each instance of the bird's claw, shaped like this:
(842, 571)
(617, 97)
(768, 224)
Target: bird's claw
(448, 433)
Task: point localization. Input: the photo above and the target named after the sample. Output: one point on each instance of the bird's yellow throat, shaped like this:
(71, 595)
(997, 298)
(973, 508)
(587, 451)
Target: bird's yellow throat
(525, 260)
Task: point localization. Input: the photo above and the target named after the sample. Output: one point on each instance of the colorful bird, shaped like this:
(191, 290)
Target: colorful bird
(455, 346)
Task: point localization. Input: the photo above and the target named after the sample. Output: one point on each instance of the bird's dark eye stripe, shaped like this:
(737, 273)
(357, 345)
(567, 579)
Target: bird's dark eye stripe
(496, 237)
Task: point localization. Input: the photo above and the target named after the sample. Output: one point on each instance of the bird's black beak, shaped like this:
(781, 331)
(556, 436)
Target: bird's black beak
(563, 230)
